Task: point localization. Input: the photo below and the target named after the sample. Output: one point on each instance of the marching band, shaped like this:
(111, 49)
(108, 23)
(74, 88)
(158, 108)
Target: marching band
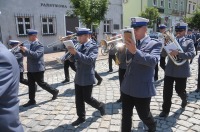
(136, 76)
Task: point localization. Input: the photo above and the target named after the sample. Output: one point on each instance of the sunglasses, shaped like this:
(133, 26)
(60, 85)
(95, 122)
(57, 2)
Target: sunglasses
(179, 30)
(136, 28)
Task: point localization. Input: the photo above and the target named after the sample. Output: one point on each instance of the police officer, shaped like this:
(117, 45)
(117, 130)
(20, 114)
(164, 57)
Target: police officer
(197, 35)
(190, 35)
(9, 86)
(17, 53)
(121, 57)
(162, 28)
(97, 76)
(112, 53)
(177, 74)
(85, 58)
(138, 87)
(35, 67)
(69, 63)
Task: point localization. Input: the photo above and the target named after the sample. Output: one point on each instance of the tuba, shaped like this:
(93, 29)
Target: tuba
(171, 41)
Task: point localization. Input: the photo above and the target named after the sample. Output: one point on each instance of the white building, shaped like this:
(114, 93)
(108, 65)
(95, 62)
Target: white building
(52, 18)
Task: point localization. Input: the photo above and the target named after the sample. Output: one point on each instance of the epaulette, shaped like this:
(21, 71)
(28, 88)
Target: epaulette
(155, 39)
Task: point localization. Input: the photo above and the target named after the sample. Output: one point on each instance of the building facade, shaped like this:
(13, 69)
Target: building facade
(132, 8)
(171, 11)
(192, 5)
(51, 18)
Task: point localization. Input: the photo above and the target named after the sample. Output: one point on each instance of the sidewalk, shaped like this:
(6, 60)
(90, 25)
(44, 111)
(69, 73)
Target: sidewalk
(51, 62)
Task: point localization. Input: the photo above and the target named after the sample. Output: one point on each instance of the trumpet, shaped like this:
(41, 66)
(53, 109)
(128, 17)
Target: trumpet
(66, 56)
(17, 47)
(170, 39)
(105, 43)
(58, 42)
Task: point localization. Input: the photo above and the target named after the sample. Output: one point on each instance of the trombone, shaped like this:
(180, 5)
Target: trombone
(68, 37)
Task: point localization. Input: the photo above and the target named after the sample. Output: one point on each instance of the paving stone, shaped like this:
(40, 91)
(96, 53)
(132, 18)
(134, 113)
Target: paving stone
(57, 115)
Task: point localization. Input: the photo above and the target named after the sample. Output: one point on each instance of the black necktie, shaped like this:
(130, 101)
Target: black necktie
(82, 46)
(138, 43)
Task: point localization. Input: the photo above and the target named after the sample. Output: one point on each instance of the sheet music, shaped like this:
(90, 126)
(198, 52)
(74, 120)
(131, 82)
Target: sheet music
(170, 47)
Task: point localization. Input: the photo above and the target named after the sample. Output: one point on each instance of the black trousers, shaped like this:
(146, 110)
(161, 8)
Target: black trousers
(22, 80)
(84, 94)
(156, 72)
(38, 77)
(180, 87)
(97, 76)
(110, 58)
(198, 83)
(121, 73)
(162, 62)
(142, 106)
(196, 49)
(68, 64)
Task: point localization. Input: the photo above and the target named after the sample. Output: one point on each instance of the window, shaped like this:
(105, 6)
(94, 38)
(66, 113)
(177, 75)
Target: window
(181, 5)
(48, 25)
(194, 7)
(189, 6)
(154, 2)
(161, 3)
(176, 5)
(23, 23)
(107, 26)
(169, 4)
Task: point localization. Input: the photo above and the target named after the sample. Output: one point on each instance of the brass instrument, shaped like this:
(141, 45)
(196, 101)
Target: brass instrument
(17, 47)
(66, 56)
(170, 39)
(106, 43)
(58, 42)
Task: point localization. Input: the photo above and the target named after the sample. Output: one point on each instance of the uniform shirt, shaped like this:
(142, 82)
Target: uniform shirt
(113, 49)
(85, 64)
(35, 57)
(121, 55)
(9, 86)
(18, 55)
(139, 76)
(181, 71)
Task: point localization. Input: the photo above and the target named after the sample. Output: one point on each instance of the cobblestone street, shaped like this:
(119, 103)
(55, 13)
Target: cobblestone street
(57, 115)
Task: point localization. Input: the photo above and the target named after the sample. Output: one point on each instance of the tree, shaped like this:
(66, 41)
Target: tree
(152, 14)
(194, 21)
(90, 12)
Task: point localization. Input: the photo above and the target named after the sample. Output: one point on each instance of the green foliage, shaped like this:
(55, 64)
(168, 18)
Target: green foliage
(194, 21)
(90, 11)
(152, 14)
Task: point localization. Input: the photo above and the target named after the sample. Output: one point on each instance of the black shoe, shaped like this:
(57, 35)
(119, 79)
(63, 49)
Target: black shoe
(163, 114)
(197, 90)
(65, 81)
(110, 71)
(184, 103)
(119, 100)
(78, 121)
(29, 103)
(55, 95)
(99, 81)
(102, 109)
